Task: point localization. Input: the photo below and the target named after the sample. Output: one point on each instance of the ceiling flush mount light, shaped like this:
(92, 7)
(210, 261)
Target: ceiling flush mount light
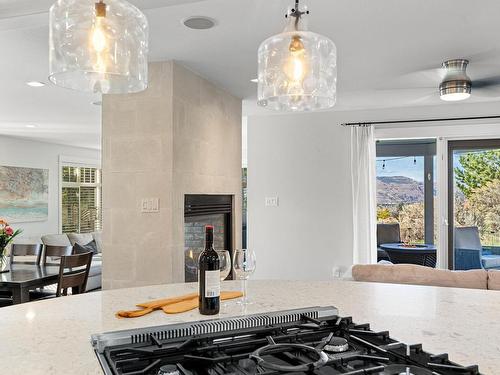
(199, 22)
(456, 85)
(35, 84)
(297, 68)
(98, 47)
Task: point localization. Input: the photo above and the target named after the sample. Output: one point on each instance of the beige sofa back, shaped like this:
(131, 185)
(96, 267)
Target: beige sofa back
(56, 240)
(71, 238)
(420, 275)
(494, 279)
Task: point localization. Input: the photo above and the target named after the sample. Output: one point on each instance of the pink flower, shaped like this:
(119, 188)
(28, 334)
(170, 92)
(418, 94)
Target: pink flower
(9, 231)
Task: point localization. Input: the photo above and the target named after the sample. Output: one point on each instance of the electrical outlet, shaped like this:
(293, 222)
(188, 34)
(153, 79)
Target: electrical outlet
(338, 272)
(271, 202)
(150, 205)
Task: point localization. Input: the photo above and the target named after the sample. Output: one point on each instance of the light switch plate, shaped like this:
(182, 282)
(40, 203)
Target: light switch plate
(150, 205)
(272, 202)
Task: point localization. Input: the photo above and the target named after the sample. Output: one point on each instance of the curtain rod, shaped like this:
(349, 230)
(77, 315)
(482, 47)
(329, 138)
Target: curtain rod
(422, 120)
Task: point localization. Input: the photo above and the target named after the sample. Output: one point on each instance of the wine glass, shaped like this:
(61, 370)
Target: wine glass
(225, 263)
(244, 264)
(191, 261)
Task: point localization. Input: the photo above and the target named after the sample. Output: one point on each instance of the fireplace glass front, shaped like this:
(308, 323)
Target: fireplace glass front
(199, 211)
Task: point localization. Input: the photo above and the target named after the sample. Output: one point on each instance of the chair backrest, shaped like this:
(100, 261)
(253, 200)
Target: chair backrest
(388, 233)
(467, 248)
(74, 273)
(56, 251)
(467, 238)
(26, 250)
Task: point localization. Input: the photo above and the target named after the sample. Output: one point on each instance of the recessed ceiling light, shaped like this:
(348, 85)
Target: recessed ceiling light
(98, 102)
(32, 126)
(199, 22)
(255, 80)
(35, 84)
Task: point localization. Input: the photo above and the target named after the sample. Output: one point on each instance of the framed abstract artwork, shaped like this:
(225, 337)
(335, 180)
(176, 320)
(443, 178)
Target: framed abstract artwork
(24, 194)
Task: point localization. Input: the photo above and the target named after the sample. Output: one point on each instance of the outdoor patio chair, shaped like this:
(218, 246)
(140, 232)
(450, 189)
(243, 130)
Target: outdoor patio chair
(386, 233)
(469, 253)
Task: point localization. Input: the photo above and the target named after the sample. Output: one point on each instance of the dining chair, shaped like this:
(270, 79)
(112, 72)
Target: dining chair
(52, 251)
(73, 273)
(26, 250)
(56, 251)
(69, 277)
(5, 302)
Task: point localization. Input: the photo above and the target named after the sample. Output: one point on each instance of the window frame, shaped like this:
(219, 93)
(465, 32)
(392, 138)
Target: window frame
(72, 161)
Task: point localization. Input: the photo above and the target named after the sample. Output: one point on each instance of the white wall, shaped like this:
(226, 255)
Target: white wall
(304, 160)
(22, 153)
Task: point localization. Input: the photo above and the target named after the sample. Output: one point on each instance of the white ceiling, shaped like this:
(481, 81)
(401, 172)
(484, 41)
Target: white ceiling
(379, 43)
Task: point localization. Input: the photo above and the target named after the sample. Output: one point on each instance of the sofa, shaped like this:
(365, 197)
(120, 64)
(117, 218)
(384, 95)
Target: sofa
(95, 274)
(421, 275)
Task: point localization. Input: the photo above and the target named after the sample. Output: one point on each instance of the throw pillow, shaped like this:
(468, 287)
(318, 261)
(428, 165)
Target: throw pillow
(80, 249)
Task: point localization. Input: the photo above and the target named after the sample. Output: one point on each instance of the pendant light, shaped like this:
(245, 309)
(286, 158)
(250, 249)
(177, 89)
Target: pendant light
(98, 47)
(297, 68)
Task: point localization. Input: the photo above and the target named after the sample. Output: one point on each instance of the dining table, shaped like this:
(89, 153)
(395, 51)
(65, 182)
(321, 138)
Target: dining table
(23, 277)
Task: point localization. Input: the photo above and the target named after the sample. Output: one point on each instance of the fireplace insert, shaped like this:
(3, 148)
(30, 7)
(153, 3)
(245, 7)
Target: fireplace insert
(201, 210)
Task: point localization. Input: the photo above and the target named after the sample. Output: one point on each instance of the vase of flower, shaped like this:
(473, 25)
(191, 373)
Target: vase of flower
(7, 234)
(4, 262)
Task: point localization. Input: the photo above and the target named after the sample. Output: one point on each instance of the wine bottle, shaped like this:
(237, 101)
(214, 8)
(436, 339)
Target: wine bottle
(209, 279)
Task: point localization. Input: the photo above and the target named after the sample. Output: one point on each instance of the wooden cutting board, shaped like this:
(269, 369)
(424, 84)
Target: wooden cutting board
(174, 305)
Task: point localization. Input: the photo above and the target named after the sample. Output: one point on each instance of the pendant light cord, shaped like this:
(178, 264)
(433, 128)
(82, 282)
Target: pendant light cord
(296, 12)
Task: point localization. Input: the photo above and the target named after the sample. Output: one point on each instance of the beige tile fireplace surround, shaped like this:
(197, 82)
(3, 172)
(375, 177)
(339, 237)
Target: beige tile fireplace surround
(180, 136)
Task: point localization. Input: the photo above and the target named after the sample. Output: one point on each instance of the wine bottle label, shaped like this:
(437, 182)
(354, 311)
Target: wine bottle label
(212, 284)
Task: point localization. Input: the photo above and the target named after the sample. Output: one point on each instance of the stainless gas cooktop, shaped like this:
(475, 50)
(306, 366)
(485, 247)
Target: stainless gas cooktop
(306, 341)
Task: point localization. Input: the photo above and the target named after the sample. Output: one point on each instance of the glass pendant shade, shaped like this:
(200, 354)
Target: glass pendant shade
(297, 70)
(98, 47)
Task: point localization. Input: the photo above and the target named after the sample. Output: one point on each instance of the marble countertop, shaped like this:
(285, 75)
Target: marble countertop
(53, 336)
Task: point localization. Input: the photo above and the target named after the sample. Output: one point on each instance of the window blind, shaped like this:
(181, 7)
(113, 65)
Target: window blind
(81, 200)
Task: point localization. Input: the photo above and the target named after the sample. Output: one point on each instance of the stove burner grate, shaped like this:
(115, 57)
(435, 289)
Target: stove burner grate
(320, 358)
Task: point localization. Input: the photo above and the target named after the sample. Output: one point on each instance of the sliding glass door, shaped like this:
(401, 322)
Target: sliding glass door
(474, 204)
(406, 189)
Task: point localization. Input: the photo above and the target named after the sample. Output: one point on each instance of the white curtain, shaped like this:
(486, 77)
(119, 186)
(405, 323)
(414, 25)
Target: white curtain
(363, 160)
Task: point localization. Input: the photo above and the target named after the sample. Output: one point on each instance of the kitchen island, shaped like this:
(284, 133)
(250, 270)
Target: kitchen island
(53, 336)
